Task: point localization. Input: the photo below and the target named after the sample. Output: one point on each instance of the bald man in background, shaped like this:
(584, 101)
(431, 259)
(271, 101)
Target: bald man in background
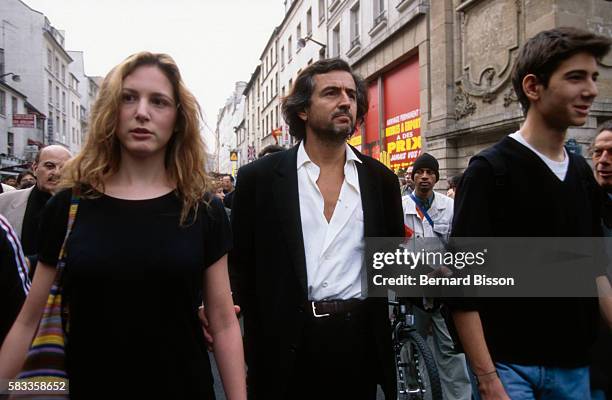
(22, 208)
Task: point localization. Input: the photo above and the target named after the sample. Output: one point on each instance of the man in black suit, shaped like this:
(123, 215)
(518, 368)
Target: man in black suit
(299, 219)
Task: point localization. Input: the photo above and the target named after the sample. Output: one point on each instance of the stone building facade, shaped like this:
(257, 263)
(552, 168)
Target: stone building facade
(34, 49)
(228, 121)
(300, 36)
(21, 128)
(466, 50)
(249, 144)
(50, 80)
(438, 71)
(87, 89)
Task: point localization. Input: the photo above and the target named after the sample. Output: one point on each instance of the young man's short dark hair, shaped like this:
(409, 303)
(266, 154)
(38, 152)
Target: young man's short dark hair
(230, 176)
(542, 54)
(298, 99)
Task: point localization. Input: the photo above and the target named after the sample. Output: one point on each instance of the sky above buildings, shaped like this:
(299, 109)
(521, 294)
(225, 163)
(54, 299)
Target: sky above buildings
(214, 42)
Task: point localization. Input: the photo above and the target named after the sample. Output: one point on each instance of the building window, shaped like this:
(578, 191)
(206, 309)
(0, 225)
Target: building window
(282, 56)
(379, 9)
(309, 22)
(10, 144)
(50, 59)
(2, 102)
(14, 105)
(321, 10)
(336, 41)
(57, 125)
(50, 122)
(73, 136)
(298, 32)
(64, 129)
(290, 85)
(289, 50)
(2, 62)
(57, 98)
(64, 101)
(56, 66)
(50, 92)
(72, 107)
(63, 73)
(355, 25)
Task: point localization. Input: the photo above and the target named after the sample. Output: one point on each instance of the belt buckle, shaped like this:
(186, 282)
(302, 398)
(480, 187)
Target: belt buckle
(314, 311)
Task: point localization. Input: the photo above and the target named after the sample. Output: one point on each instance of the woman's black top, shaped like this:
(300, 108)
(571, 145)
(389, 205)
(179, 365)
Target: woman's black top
(132, 284)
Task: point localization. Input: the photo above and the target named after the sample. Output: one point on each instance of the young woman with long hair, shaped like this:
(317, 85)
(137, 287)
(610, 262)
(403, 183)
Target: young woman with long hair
(145, 245)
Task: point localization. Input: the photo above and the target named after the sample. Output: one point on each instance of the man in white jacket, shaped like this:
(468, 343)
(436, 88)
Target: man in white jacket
(429, 215)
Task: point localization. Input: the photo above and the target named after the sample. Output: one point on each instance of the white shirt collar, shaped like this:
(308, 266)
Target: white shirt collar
(302, 156)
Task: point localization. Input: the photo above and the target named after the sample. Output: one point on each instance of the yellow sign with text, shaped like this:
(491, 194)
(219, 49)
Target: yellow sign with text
(403, 142)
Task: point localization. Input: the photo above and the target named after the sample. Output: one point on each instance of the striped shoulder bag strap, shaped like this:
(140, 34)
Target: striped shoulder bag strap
(46, 360)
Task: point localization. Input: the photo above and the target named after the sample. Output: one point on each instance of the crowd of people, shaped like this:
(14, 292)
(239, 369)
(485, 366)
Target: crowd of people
(155, 272)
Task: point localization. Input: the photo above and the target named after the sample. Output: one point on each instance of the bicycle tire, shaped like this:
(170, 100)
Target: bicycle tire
(420, 373)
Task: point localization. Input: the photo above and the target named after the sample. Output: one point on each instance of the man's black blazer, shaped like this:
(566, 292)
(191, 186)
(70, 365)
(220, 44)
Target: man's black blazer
(268, 265)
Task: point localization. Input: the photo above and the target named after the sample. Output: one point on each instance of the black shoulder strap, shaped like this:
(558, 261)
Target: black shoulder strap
(493, 156)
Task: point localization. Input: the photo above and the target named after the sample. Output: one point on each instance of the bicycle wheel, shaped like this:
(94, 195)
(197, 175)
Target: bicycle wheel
(417, 373)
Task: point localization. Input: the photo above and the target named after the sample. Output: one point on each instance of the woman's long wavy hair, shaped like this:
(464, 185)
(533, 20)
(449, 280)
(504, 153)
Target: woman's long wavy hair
(101, 156)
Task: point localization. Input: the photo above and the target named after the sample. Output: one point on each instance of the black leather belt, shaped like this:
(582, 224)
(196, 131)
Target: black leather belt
(327, 308)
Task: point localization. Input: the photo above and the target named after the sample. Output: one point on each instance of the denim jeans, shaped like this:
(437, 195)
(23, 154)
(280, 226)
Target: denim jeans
(528, 382)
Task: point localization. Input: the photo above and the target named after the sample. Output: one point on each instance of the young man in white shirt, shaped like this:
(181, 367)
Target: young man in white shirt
(528, 185)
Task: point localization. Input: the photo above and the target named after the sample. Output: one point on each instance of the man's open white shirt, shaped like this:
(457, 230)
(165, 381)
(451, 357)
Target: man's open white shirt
(334, 250)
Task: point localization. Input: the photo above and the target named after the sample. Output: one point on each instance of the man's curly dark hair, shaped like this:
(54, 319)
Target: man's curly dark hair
(298, 99)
